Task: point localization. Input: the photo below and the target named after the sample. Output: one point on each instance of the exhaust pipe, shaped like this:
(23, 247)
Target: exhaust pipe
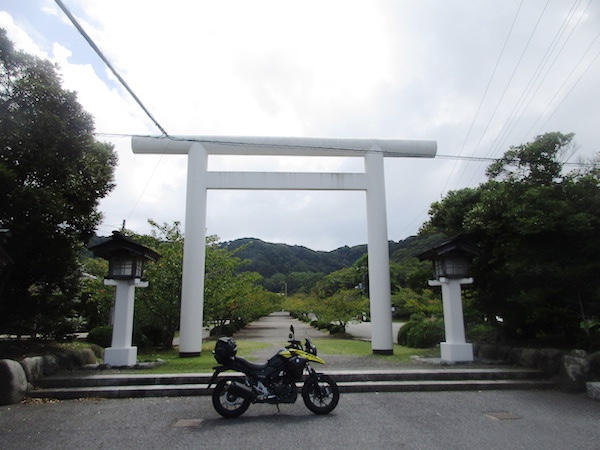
(241, 390)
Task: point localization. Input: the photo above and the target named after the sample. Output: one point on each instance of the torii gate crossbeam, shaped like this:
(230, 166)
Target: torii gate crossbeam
(199, 180)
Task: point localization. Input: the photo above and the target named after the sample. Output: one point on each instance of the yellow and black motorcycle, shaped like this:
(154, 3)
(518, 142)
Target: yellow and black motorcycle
(273, 382)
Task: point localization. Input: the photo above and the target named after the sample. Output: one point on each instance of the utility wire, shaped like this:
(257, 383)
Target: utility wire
(509, 82)
(524, 102)
(108, 64)
(483, 98)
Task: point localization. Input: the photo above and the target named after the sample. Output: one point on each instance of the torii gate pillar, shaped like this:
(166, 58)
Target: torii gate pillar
(200, 180)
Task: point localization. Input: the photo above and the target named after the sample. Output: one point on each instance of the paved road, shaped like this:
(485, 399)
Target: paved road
(441, 420)
(362, 330)
(275, 326)
(415, 420)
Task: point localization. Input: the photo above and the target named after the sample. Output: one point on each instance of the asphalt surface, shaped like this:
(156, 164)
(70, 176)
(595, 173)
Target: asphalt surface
(415, 420)
(435, 420)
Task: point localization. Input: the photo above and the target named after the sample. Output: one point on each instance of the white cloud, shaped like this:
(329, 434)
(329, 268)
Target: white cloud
(358, 68)
(19, 36)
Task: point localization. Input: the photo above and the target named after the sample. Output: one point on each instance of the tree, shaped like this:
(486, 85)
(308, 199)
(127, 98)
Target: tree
(229, 294)
(52, 175)
(96, 298)
(342, 307)
(158, 306)
(538, 229)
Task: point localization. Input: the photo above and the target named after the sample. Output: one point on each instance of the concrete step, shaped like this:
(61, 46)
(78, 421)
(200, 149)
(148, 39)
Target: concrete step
(191, 390)
(170, 385)
(340, 376)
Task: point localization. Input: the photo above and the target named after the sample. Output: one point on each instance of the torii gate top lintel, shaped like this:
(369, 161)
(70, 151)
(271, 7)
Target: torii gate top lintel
(285, 146)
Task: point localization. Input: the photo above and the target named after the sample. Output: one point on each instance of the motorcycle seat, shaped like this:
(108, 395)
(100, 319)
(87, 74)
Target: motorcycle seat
(253, 367)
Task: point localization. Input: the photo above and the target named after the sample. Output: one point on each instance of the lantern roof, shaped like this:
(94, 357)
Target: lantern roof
(120, 244)
(459, 244)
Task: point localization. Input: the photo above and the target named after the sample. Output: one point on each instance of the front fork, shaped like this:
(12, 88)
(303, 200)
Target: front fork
(316, 377)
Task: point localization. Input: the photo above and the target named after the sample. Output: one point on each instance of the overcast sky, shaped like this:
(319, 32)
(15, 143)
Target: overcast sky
(476, 76)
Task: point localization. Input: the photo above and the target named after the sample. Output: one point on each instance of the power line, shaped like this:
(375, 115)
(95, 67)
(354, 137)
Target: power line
(523, 103)
(533, 31)
(108, 64)
(484, 96)
(564, 83)
(491, 160)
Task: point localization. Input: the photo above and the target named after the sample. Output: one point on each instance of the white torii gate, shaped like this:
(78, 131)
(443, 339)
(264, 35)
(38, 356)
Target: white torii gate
(199, 180)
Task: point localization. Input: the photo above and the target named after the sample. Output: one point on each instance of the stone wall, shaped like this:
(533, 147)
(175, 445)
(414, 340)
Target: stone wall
(572, 369)
(17, 377)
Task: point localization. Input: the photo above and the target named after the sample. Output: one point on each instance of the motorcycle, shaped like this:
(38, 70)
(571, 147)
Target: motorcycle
(273, 382)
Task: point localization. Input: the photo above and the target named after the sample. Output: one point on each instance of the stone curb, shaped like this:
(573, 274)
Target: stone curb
(17, 378)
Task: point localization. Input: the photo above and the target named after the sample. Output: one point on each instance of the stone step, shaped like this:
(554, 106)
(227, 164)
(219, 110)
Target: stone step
(181, 390)
(340, 376)
(444, 385)
(169, 385)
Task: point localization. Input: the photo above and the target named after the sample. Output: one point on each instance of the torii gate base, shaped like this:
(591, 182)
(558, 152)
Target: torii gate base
(199, 180)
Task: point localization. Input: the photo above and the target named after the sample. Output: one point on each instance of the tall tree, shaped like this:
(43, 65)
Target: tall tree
(52, 174)
(539, 231)
(158, 306)
(229, 294)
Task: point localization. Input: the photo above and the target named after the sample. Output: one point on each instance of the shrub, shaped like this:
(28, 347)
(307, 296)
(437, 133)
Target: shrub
(421, 332)
(101, 336)
(223, 330)
(154, 335)
(321, 324)
(335, 328)
(481, 332)
(403, 332)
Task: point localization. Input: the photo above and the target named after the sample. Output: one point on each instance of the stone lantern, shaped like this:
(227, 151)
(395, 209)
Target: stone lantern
(451, 259)
(126, 259)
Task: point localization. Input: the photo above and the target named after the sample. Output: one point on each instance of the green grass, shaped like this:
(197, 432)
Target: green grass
(204, 363)
(363, 348)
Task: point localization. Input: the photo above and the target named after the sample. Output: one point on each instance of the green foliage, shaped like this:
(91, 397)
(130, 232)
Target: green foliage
(157, 308)
(536, 163)
(409, 302)
(421, 332)
(97, 299)
(270, 259)
(101, 336)
(300, 306)
(343, 279)
(52, 175)
(229, 293)
(331, 313)
(481, 332)
(538, 229)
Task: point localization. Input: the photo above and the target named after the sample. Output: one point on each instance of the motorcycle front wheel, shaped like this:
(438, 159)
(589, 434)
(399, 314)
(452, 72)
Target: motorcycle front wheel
(226, 403)
(320, 395)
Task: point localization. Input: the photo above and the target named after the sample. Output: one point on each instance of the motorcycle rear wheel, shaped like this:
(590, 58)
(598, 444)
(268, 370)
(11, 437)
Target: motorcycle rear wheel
(227, 404)
(321, 395)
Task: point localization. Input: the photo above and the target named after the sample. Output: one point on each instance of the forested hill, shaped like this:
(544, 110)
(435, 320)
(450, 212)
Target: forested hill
(269, 259)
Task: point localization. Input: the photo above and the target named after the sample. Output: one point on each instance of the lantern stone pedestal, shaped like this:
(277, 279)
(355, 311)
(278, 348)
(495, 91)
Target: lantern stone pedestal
(121, 352)
(455, 349)
(126, 259)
